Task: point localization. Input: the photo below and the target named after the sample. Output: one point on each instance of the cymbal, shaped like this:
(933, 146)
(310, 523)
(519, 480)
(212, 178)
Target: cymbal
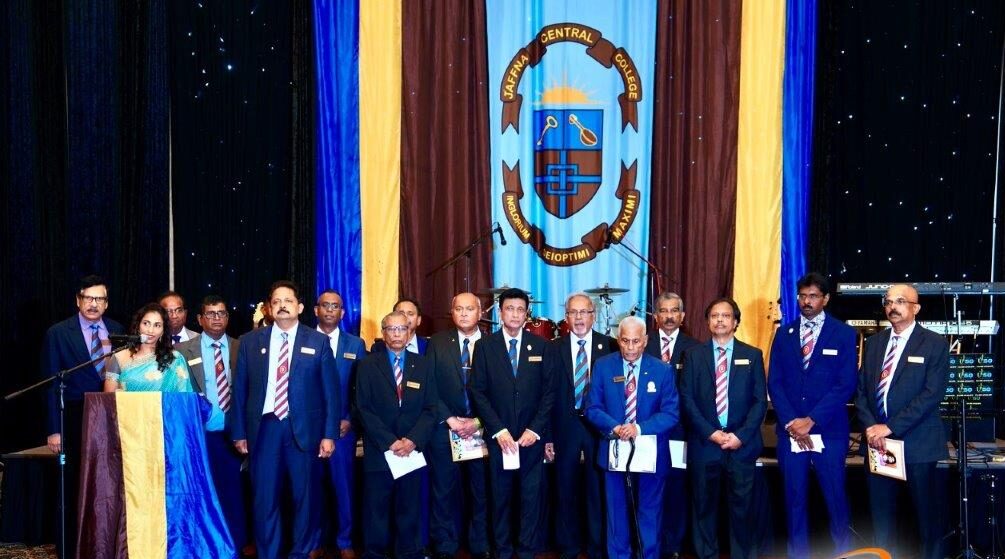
(498, 290)
(605, 291)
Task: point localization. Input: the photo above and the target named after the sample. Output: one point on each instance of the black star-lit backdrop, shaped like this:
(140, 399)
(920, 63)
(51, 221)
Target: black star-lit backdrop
(907, 101)
(242, 156)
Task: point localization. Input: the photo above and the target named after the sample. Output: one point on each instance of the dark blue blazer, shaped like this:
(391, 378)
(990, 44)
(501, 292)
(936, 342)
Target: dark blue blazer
(656, 407)
(503, 401)
(64, 347)
(676, 365)
(563, 375)
(821, 391)
(421, 341)
(444, 353)
(349, 351)
(912, 401)
(383, 420)
(747, 402)
(313, 388)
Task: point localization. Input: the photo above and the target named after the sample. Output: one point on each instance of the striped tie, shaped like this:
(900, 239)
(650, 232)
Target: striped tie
(282, 404)
(222, 384)
(884, 380)
(97, 350)
(666, 349)
(721, 386)
(465, 369)
(808, 343)
(581, 376)
(630, 392)
(514, 358)
(398, 378)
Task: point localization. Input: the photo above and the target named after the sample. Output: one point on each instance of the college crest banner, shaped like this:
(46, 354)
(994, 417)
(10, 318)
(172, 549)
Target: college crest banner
(570, 115)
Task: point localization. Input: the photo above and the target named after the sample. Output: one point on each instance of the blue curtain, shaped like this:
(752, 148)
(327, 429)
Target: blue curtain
(797, 145)
(338, 229)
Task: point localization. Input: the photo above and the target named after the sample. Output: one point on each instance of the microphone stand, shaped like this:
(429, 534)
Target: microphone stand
(61, 377)
(655, 284)
(466, 251)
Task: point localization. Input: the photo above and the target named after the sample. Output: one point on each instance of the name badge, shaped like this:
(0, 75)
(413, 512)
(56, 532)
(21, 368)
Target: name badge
(619, 379)
(741, 361)
(307, 350)
(915, 359)
(830, 352)
(534, 359)
(349, 355)
(194, 362)
(651, 387)
(412, 384)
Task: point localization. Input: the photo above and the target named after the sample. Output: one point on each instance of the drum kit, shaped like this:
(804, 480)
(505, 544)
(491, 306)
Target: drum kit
(547, 328)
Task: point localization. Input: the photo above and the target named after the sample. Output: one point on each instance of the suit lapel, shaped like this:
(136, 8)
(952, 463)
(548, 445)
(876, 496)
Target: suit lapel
(826, 331)
(386, 372)
(910, 349)
(455, 357)
(500, 345)
(568, 365)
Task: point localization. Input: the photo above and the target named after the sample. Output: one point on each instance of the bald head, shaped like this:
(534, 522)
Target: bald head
(465, 311)
(901, 306)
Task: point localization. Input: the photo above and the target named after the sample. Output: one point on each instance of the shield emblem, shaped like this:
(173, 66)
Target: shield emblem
(568, 158)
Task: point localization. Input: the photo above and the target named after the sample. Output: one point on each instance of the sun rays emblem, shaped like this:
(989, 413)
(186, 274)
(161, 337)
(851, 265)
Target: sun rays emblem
(567, 136)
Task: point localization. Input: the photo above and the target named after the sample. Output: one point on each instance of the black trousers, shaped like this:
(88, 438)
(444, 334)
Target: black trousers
(927, 498)
(458, 491)
(580, 503)
(707, 479)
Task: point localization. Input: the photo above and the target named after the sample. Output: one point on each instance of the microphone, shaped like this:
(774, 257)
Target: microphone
(502, 238)
(128, 338)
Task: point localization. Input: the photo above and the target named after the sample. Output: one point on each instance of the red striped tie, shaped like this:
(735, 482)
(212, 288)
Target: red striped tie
(398, 378)
(666, 349)
(721, 384)
(808, 343)
(222, 384)
(885, 378)
(282, 405)
(630, 394)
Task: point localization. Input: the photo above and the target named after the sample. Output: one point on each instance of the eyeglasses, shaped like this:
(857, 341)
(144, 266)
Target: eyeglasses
(899, 302)
(330, 306)
(395, 329)
(90, 299)
(215, 314)
(578, 313)
(723, 315)
(809, 296)
(174, 311)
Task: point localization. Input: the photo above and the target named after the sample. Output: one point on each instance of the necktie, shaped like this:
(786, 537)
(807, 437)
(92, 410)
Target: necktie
(581, 376)
(222, 384)
(465, 368)
(513, 357)
(808, 342)
(884, 380)
(630, 394)
(666, 349)
(176, 339)
(282, 405)
(721, 386)
(398, 378)
(97, 351)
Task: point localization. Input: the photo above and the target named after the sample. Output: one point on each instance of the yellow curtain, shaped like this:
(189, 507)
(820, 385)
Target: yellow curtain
(379, 157)
(757, 262)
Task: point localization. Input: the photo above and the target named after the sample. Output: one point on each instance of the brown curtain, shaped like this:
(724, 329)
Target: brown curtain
(693, 195)
(444, 152)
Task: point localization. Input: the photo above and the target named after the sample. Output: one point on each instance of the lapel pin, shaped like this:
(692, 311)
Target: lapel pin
(529, 348)
(263, 351)
(600, 346)
(791, 330)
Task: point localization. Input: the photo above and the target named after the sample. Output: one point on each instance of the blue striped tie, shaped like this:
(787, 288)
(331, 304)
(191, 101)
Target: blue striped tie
(97, 351)
(513, 357)
(465, 368)
(580, 379)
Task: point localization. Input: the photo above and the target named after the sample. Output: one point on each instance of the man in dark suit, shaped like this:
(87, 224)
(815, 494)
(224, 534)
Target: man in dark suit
(724, 401)
(285, 412)
(903, 378)
(513, 395)
(76, 340)
(811, 379)
(416, 343)
(580, 499)
(396, 400)
(457, 487)
(633, 394)
(174, 305)
(668, 344)
(348, 351)
(212, 360)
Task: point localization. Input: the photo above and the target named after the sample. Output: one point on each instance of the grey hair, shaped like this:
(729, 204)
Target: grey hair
(579, 294)
(631, 321)
(667, 296)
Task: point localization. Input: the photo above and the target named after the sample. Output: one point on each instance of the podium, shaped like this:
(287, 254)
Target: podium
(145, 485)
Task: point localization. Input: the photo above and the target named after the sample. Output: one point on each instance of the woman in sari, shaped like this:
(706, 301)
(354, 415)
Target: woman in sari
(152, 364)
